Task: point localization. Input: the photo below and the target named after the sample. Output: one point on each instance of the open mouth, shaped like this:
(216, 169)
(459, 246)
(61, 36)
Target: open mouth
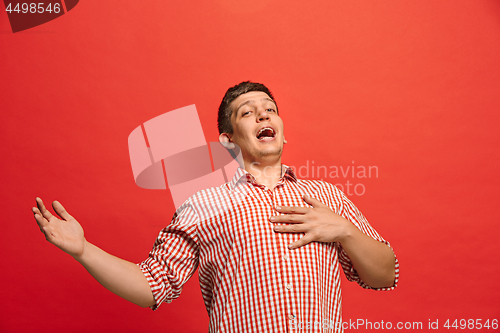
(266, 133)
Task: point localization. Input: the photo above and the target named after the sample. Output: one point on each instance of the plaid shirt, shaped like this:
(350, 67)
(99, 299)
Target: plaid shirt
(249, 279)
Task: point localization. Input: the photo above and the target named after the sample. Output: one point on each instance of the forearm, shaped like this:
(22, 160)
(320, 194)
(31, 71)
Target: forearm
(119, 276)
(373, 260)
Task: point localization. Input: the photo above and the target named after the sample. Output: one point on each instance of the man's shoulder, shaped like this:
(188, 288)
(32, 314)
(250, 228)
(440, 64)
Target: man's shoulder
(321, 190)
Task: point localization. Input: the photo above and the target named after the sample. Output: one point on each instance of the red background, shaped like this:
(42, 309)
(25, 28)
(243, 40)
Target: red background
(412, 87)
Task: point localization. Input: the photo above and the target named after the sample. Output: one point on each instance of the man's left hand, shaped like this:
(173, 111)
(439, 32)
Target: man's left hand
(319, 223)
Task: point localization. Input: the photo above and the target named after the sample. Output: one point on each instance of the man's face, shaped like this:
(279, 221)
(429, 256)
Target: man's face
(257, 128)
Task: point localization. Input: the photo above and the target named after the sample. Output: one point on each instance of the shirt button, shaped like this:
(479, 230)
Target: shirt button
(291, 317)
(286, 257)
(288, 286)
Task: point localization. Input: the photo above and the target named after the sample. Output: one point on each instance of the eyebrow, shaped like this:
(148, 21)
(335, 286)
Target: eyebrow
(253, 101)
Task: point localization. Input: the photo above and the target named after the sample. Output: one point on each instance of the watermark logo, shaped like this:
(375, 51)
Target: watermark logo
(28, 14)
(347, 178)
(172, 147)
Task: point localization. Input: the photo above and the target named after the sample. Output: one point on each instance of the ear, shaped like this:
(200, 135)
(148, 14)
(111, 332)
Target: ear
(225, 140)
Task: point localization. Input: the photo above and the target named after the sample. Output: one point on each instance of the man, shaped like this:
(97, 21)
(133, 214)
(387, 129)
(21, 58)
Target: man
(268, 246)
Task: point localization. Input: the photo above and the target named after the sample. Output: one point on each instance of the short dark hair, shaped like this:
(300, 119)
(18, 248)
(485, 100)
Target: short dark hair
(225, 112)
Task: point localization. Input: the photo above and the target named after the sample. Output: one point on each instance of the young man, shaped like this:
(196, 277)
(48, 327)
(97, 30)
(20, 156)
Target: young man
(268, 245)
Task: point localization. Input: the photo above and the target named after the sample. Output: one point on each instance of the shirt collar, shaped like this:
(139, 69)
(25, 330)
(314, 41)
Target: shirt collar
(242, 176)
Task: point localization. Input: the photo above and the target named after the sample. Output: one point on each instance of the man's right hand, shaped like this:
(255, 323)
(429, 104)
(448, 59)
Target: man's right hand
(121, 277)
(65, 233)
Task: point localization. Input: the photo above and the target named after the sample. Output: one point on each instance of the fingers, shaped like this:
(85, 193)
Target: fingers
(39, 219)
(301, 242)
(300, 210)
(291, 228)
(292, 210)
(37, 211)
(59, 209)
(290, 218)
(43, 211)
(312, 201)
(296, 228)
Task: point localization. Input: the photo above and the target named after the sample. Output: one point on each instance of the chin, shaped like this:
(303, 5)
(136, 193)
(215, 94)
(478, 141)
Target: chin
(273, 152)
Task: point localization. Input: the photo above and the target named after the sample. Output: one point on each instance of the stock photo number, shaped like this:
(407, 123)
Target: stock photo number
(28, 14)
(33, 8)
(471, 324)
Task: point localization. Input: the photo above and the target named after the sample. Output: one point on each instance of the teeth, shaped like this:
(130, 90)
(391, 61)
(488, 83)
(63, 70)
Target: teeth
(265, 128)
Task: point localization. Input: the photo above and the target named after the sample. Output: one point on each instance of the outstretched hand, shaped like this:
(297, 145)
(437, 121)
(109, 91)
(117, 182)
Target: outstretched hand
(319, 223)
(65, 233)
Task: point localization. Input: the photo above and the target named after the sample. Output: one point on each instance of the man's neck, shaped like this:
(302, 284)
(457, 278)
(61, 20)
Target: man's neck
(265, 174)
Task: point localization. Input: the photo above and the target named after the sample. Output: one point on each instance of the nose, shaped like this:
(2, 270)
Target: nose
(262, 115)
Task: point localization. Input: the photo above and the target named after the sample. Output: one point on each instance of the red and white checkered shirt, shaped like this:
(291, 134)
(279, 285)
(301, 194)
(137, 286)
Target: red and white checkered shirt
(249, 279)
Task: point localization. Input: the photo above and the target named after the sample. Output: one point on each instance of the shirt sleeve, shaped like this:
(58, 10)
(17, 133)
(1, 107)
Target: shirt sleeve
(350, 212)
(174, 257)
